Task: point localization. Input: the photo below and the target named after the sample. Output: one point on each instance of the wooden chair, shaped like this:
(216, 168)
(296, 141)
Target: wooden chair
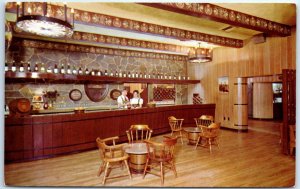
(138, 133)
(160, 155)
(110, 155)
(292, 138)
(211, 134)
(176, 126)
(204, 120)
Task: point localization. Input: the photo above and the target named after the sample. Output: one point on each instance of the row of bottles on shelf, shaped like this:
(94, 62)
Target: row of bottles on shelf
(40, 67)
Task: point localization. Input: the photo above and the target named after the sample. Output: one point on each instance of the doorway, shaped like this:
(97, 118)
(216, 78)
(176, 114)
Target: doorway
(265, 103)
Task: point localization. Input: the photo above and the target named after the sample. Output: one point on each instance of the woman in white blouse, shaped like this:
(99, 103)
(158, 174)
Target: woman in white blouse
(136, 101)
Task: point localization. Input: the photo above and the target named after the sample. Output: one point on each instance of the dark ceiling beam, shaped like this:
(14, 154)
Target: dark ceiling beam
(219, 14)
(116, 41)
(102, 20)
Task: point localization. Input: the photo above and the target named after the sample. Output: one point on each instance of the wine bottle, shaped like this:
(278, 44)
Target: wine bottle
(13, 67)
(136, 75)
(86, 71)
(116, 74)
(111, 74)
(74, 71)
(28, 67)
(133, 75)
(62, 69)
(36, 67)
(42, 68)
(93, 72)
(6, 66)
(80, 71)
(21, 69)
(129, 75)
(105, 73)
(69, 71)
(179, 77)
(99, 73)
(49, 70)
(55, 70)
(141, 75)
(149, 76)
(124, 74)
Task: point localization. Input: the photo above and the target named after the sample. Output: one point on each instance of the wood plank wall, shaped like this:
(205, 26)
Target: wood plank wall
(252, 60)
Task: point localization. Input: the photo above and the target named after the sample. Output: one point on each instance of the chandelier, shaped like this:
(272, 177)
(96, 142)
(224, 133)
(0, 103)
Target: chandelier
(43, 19)
(200, 55)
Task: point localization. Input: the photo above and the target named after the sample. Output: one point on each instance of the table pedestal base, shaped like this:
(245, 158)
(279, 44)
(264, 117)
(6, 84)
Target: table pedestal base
(137, 163)
(193, 137)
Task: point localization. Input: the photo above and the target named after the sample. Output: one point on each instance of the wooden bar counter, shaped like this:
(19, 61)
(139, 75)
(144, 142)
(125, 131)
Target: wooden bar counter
(42, 136)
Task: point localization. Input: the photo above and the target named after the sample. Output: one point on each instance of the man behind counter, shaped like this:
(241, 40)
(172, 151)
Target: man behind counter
(123, 100)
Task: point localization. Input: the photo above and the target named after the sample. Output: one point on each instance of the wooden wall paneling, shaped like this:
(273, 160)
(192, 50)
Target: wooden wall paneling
(284, 54)
(14, 142)
(289, 107)
(57, 136)
(48, 138)
(38, 124)
(263, 100)
(250, 61)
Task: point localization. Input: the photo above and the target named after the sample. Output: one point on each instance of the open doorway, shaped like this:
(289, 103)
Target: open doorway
(265, 103)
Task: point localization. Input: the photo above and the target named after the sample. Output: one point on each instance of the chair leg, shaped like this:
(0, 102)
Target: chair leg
(101, 169)
(105, 172)
(145, 169)
(217, 141)
(174, 168)
(181, 137)
(127, 167)
(162, 173)
(209, 142)
(197, 142)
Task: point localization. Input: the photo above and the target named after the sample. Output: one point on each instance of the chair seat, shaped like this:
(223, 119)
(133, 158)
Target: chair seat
(159, 159)
(124, 157)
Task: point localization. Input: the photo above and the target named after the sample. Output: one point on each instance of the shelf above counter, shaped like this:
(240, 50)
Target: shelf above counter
(23, 77)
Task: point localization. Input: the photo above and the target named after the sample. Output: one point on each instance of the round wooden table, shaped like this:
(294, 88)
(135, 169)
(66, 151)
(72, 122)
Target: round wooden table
(193, 134)
(137, 156)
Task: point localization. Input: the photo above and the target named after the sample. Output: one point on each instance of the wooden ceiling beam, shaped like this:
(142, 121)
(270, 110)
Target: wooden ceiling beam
(102, 20)
(227, 16)
(112, 40)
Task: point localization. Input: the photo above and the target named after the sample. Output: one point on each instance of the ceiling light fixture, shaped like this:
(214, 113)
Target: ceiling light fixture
(200, 55)
(34, 18)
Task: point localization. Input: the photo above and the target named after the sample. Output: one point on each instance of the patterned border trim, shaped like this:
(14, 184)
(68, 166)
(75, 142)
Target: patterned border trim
(98, 50)
(86, 17)
(220, 14)
(98, 38)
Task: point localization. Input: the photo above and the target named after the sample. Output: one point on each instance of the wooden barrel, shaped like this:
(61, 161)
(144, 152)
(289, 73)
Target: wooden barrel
(20, 106)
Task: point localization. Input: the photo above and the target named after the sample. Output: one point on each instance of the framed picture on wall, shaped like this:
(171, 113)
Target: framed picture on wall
(223, 84)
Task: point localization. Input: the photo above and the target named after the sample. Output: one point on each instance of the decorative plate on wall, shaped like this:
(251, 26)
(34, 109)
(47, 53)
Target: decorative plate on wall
(75, 95)
(96, 92)
(115, 93)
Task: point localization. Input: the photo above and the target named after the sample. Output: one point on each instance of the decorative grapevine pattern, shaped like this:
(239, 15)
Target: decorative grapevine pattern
(97, 50)
(142, 27)
(97, 38)
(234, 16)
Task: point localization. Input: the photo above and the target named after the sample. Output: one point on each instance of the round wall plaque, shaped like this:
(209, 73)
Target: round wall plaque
(96, 92)
(75, 95)
(114, 94)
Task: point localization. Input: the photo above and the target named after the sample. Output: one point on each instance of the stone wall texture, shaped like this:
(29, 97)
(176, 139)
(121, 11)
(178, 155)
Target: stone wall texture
(90, 61)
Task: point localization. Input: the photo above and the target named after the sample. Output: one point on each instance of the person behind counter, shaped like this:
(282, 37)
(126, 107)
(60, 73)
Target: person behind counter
(123, 100)
(136, 101)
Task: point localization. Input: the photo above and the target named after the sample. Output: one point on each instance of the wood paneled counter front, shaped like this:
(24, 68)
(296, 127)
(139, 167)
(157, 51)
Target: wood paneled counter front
(42, 136)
